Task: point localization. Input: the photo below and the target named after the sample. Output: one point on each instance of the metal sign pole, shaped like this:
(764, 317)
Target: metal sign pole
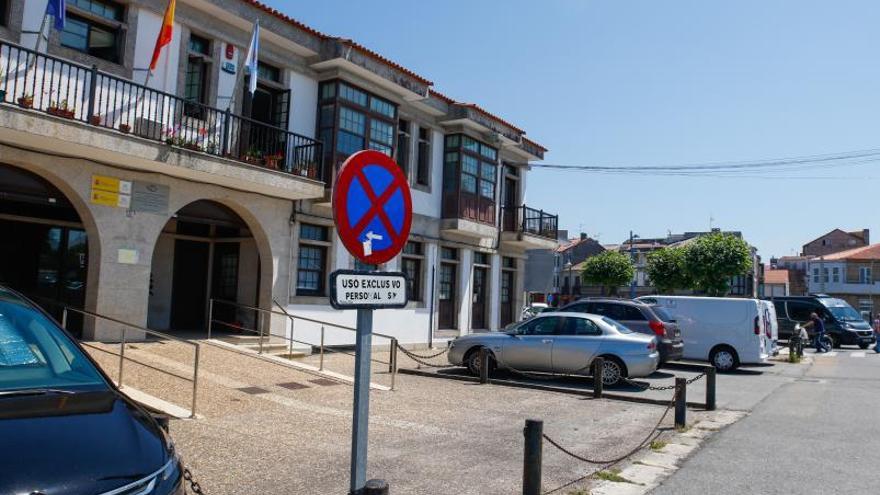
(360, 419)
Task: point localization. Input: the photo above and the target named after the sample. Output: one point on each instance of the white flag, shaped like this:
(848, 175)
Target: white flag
(253, 56)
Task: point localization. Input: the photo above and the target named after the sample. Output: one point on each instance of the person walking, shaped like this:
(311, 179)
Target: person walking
(877, 333)
(818, 330)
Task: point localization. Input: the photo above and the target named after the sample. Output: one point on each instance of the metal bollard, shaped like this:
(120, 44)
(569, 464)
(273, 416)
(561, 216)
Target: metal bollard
(392, 350)
(532, 456)
(484, 365)
(598, 384)
(710, 388)
(121, 357)
(321, 362)
(375, 487)
(680, 403)
(393, 363)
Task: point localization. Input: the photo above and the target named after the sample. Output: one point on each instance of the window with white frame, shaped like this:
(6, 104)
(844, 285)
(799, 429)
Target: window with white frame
(835, 274)
(312, 260)
(412, 262)
(865, 275)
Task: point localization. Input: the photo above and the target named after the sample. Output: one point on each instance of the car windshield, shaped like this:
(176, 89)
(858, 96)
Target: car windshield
(35, 354)
(662, 314)
(841, 310)
(616, 325)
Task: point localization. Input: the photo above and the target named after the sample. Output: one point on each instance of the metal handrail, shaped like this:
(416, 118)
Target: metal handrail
(392, 363)
(125, 325)
(524, 219)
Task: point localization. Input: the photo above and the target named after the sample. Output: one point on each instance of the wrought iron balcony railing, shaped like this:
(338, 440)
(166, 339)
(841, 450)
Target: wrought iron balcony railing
(530, 221)
(58, 87)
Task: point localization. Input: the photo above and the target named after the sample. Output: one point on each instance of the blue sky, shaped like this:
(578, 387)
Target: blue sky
(657, 83)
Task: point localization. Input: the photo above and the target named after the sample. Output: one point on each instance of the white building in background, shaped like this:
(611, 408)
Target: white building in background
(145, 203)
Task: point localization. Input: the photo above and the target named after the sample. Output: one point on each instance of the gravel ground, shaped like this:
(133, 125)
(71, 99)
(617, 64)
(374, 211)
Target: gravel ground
(429, 436)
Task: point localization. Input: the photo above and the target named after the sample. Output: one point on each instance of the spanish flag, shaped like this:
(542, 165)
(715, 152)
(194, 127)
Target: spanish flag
(165, 34)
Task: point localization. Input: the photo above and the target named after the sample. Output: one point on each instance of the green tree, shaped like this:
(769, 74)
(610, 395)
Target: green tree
(667, 271)
(609, 269)
(711, 260)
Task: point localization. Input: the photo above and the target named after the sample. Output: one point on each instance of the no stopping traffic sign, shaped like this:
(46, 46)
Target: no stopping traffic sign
(372, 207)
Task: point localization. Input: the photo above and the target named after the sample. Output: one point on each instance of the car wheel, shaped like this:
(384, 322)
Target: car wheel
(613, 371)
(472, 361)
(835, 341)
(724, 359)
(863, 345)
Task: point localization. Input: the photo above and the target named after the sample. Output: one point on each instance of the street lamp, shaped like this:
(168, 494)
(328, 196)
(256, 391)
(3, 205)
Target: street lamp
(632, 258)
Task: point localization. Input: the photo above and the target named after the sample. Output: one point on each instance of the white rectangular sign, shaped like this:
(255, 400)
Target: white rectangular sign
(367, 290)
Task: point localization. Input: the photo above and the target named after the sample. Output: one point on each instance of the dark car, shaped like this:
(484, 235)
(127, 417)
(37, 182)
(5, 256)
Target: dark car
(64, 427)
(639, 317)
(843, 324)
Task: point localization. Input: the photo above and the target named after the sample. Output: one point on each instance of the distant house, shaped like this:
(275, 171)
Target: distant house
(850, 275)
(797, 272)
(836, 241)
(550, 271)
(777, 283)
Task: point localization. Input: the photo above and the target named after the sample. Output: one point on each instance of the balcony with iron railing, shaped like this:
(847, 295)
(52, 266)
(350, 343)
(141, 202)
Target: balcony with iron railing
(42, 83)
(529, 228)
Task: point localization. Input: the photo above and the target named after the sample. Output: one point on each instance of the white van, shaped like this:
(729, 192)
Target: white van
(726, 332)
(771, 327)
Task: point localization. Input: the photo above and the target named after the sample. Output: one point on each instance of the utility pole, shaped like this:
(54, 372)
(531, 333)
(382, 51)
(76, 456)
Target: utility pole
(632, 255)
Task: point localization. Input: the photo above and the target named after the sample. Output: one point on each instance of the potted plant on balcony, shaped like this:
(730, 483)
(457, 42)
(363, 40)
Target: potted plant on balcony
(192, 145)
(26, 101)
(253, 156)
(274, 160)
(211, 147)
(61, 110)
(125, 128)
(95, 120)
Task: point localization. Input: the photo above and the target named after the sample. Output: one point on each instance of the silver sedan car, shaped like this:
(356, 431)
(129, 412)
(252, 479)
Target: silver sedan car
(562, 343)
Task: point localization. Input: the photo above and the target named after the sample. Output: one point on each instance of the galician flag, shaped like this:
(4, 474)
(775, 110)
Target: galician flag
(166, 32)
(253, 56)
(58, 10)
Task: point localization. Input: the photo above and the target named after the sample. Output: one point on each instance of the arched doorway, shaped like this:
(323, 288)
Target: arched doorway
(205, 251)
(44, 247)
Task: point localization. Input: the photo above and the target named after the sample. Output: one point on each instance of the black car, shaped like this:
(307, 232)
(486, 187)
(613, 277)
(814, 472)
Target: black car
(639, 317)
(843, 324)
(64, 427)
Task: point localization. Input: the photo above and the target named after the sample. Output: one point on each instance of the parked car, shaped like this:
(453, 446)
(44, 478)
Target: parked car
(562, 343)
(726, 332)
(843, 324)
(637, 316)
(65, 428)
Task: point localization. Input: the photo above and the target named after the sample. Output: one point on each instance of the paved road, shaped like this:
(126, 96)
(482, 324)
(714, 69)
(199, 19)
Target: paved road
(817, 434)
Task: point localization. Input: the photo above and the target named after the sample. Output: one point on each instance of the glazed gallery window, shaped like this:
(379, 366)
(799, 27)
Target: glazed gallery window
(195, 88)
(351, 119)
(94, 27)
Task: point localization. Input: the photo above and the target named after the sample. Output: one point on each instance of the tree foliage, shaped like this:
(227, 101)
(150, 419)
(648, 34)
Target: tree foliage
(609, 269)
(711, 260)
(667, 271)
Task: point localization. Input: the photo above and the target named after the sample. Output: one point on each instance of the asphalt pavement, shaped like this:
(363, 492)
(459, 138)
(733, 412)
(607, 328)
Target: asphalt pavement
(817, 433)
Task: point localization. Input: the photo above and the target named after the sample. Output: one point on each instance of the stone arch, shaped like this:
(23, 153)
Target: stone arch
(86, 219)
(248, 219)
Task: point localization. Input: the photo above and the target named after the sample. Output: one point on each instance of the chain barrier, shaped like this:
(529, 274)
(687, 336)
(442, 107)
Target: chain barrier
(422, 360)
(652, 435)
(549, 375)
(646, 386)
(194, 486)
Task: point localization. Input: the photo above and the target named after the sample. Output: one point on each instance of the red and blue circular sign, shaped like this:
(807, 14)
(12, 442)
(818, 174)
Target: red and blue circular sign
(372, 207)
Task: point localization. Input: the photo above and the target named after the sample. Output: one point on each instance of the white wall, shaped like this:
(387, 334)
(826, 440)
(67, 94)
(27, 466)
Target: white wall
(226, 81)
(162, 272)
(424, 203)
(165, 77)
(31, 22)
(304, 104)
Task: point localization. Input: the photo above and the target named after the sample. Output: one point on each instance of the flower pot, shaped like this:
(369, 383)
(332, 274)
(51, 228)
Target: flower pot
(272, 163)
(124, 128)
(25, 102)
(95, 120)
(2, 95)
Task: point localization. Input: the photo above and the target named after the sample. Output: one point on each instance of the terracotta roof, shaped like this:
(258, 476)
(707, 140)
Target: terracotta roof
(375, 56)
(533, 143)
(776, 276)
(357, 46)
(285, 18)
(871, 252)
